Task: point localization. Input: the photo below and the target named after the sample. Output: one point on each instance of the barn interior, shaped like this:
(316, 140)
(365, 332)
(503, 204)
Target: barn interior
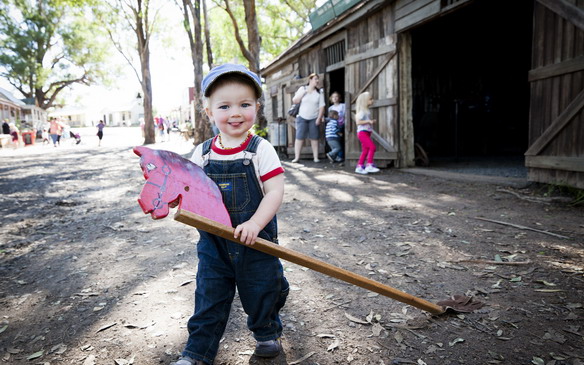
(470, 83)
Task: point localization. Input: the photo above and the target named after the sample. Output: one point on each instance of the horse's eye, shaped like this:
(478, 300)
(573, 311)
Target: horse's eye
(150, 166)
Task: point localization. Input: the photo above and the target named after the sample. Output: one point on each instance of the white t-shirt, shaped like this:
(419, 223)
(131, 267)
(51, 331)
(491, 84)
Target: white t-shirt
(311, 102)
(265, 161)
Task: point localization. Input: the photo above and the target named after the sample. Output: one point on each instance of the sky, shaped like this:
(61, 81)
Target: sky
(171, 69)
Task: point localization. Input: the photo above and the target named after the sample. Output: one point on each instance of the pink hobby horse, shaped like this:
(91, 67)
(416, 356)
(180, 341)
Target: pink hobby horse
(172, 180)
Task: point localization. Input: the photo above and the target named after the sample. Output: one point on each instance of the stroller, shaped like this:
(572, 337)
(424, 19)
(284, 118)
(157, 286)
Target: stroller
(76, 136)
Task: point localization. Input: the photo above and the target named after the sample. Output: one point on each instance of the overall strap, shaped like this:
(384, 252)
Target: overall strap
(207, 146)
(253, 144)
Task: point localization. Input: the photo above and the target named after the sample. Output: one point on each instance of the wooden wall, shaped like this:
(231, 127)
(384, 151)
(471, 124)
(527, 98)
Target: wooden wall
(371, 65)
(556, 134)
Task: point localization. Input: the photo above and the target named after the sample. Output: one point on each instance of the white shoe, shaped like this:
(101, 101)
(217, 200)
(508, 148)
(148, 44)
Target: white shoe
(361, 170)
(316, 160)
(371, 169)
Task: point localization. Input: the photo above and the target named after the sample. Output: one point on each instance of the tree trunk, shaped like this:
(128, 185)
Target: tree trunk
(253, 35)
(207, 36)
(201, 122)
(141, 16)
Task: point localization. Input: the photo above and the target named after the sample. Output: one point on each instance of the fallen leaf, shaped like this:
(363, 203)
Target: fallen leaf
(295, 362)
(106, 327)
(455, 341)
(36, 355)
(398, 337)
(58, 349)
(376, 329)
(325, 335)
(247, 352)
(548, 290)
(186, 282)
(537, 361)
(333, 345)
(90, 360)
(355, 319)
(3, 328)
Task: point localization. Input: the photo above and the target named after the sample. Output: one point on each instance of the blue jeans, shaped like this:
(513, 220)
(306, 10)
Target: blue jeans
(335, 145)
(225, 266)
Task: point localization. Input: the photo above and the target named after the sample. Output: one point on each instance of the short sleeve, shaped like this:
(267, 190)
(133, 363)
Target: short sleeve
(197, 157)
(321, 103)
(298, 92)
(268, 161)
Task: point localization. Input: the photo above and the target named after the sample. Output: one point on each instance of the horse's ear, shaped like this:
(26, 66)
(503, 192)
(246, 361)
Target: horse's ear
(141, 151)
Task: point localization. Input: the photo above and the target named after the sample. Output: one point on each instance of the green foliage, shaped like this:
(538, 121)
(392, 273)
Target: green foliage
(49, 45)
(278, 24)
(262, 132)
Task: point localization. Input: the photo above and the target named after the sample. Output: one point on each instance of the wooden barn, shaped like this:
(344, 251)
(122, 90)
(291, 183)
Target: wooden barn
(450, 79)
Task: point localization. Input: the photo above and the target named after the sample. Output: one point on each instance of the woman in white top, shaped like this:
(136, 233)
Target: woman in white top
(309, 116)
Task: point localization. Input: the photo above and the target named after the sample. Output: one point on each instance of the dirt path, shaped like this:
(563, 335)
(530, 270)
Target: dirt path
(87, 278)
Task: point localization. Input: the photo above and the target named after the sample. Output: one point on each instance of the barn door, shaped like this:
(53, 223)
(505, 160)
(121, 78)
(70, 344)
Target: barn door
(371, 67)
(556, 136)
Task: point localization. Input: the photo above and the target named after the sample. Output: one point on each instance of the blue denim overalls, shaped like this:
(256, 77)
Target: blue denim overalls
(225, 265)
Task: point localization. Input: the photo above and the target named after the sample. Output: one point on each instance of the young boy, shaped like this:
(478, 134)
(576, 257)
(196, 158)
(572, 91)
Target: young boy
(249, 174)
(332, 135)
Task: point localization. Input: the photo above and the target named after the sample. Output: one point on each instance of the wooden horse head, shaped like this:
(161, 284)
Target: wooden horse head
(172, 180)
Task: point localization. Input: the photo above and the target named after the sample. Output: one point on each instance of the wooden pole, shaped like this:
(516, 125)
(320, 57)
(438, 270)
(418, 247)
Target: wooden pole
(273, 249)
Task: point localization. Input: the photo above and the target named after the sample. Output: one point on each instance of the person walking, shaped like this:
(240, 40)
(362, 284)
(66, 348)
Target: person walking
(100, 127)
(310, 115)
(55, 130)
(364, 131)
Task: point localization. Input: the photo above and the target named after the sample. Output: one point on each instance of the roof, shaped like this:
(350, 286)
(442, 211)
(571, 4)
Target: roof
(7, 95)
(317, 35)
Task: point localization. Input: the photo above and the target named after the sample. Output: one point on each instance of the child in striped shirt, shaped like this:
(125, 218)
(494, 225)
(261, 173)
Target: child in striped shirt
(332, 136)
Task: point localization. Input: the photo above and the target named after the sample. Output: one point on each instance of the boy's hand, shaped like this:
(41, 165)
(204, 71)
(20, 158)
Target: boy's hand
(247, 232)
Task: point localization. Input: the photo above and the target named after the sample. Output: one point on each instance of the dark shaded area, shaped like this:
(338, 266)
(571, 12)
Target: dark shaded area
(471, 91)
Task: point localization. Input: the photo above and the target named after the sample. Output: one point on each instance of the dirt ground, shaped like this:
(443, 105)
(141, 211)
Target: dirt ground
(87, 278)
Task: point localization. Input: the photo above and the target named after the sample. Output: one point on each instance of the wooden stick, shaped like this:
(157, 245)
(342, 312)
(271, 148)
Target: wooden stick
(491, 262)
(287, 254)
(522, 227)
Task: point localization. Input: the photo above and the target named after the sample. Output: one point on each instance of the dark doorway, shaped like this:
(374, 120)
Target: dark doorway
(336, 83)
(470, 85)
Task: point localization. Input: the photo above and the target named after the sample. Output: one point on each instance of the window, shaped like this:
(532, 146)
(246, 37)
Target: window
(275, 107)
(335, 53)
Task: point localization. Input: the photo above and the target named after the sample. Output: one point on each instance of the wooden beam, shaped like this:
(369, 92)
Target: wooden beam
(335, 66)
(574, 164)
(557, 69)
(382, 142)
(383, 102)
(557, 125)
(375, 52)
(374, 75)
(570, 12)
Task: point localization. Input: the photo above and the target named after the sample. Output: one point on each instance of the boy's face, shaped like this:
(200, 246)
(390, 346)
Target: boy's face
(233, 108)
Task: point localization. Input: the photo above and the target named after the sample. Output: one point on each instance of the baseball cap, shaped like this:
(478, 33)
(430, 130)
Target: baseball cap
(228, 68)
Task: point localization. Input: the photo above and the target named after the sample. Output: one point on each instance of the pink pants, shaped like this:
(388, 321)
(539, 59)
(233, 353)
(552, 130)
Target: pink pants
(368, 148)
